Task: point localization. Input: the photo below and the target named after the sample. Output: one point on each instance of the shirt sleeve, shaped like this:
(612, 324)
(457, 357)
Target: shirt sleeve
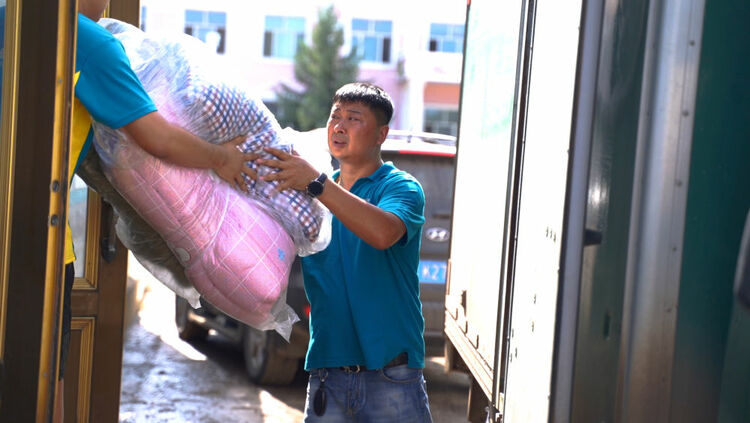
(405, 198)
(109, 89)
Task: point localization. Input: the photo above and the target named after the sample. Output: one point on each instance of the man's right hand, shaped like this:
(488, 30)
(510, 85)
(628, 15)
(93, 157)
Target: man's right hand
(234, 164)
(175, 145)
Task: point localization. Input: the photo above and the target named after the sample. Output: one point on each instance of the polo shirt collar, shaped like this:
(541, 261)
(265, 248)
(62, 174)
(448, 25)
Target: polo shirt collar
(380, 173)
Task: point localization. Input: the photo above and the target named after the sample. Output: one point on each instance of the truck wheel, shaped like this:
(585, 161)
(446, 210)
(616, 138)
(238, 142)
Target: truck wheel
(186, 328)
(263, 364)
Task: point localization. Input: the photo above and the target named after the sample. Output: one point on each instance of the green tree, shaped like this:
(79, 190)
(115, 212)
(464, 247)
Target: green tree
(321, 70)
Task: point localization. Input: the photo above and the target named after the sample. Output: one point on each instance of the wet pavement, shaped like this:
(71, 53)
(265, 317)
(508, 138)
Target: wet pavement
(166, 379)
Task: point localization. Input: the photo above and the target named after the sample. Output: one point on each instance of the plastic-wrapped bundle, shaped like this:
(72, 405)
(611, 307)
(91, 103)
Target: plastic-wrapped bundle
(189, 87)
(237, 257)
(236, 248)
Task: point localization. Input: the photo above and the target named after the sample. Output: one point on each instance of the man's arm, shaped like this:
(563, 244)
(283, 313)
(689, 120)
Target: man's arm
(375, 226)
(175, 145)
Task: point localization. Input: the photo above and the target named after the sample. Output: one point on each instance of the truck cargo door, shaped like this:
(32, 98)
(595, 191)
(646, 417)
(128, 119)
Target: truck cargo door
(546, 137)
(486, 152)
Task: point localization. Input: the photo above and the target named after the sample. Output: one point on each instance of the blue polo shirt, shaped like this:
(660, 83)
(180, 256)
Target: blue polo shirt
(107, 86)
(106, 89)
(364, 302)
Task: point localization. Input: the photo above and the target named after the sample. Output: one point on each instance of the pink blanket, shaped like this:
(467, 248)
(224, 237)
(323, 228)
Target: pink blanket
(237, 257)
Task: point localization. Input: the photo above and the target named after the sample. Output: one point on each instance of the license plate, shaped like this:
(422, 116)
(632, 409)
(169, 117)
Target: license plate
(431, 271)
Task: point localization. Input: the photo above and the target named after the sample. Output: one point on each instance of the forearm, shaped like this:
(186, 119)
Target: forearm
(182, 148)
(173, 144)
(378, 228)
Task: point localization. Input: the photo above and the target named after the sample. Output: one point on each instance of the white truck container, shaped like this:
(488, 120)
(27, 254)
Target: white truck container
(601, 150)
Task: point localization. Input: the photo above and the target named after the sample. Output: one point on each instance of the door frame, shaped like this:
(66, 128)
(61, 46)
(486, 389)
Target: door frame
(33, 211)
(32, 261)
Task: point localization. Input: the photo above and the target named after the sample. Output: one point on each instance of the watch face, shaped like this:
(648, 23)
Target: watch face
(314, 188)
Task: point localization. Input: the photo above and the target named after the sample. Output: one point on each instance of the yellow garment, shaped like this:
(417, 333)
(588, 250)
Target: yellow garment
(81, 127)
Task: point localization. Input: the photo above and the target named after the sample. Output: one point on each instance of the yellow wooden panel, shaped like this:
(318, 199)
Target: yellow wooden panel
(85, 327)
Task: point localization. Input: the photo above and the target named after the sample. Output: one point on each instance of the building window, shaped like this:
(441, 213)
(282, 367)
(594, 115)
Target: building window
(282, 36)
(209, 27)
(446, 38)
(441, 121)
(372, 40)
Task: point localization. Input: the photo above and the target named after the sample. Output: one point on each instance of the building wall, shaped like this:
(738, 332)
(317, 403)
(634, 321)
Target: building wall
(412, 73)
(441, 94)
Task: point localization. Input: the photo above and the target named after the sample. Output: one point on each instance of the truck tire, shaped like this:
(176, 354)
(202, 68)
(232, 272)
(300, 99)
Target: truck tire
(186, 328)
(263, 364)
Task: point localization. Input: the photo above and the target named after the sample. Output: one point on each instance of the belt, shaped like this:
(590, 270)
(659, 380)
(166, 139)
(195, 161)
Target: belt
(400, 359)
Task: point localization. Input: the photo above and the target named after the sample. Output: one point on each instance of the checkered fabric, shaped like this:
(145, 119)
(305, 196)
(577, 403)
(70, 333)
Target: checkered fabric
(220, 112)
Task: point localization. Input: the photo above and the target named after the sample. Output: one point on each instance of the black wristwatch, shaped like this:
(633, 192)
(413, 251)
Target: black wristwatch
(315, 187)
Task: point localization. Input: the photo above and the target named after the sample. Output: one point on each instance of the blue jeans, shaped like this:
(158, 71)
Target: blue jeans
(393, 395)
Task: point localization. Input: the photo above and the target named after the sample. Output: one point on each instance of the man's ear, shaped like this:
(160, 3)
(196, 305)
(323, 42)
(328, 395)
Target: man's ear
(382, 134)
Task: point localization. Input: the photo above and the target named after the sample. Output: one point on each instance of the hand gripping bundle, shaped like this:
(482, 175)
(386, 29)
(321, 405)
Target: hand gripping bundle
(236, 248)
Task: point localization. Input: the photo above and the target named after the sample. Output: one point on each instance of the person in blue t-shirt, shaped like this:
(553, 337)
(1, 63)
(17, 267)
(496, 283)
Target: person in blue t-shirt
(108, 91)
(366, 350)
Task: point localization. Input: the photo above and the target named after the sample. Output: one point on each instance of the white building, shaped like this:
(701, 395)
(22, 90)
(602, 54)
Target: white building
(411, 49)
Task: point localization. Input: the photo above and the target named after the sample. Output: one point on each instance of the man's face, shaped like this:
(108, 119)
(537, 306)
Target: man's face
(92, 9)
(354, 133)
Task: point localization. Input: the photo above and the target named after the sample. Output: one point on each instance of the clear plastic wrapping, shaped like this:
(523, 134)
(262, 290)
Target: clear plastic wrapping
(236, 249)
(191, 87)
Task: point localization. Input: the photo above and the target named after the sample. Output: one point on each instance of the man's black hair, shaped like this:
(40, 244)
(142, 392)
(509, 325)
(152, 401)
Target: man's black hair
(370, 95)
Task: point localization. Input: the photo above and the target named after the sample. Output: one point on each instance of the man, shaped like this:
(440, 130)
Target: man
(366, 351)
(107, 90)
